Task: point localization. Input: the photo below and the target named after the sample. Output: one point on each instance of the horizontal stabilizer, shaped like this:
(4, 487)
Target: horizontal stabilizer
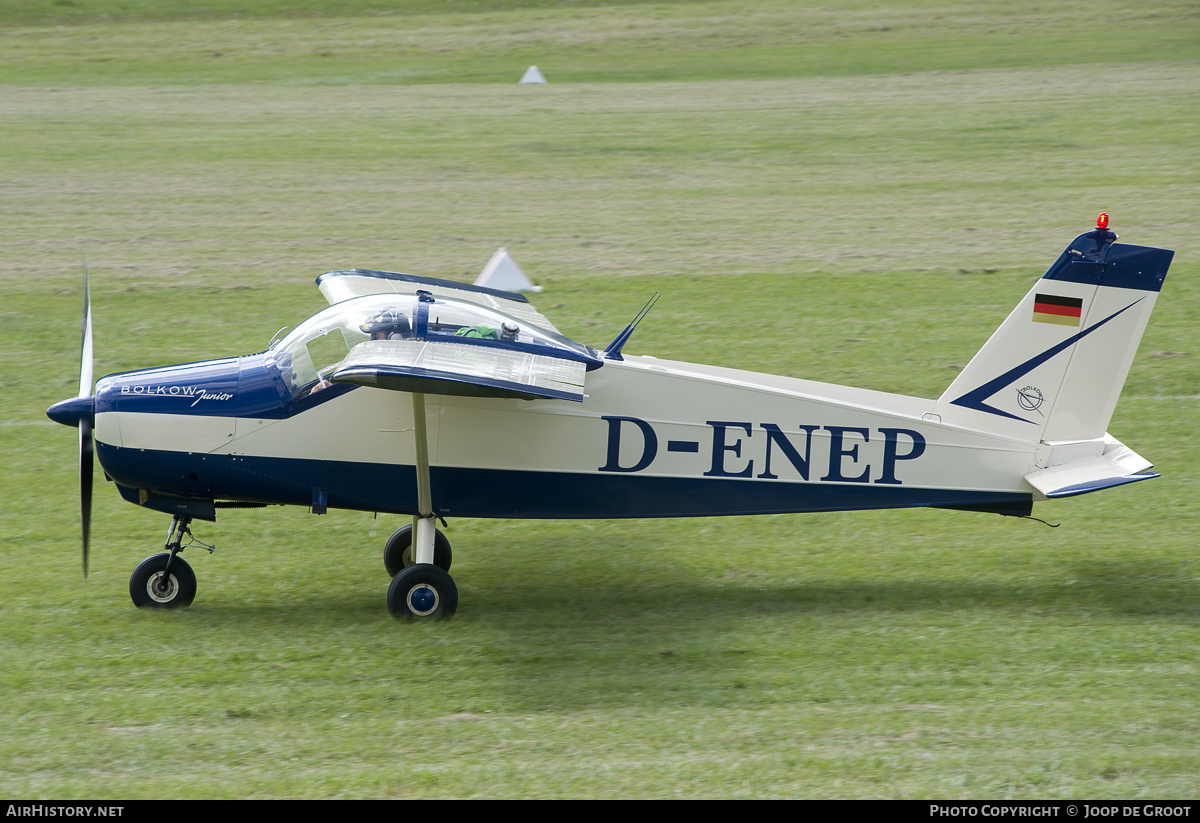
(461, 370)
(1117, 466)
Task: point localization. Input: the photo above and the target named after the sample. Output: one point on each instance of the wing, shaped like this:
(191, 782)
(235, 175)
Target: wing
(347, 283)
(433, 367)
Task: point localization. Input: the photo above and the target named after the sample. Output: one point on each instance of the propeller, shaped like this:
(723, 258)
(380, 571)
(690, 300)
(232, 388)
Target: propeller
(86, 447)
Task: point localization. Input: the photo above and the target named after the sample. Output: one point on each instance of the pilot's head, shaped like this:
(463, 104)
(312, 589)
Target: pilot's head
(388, 324)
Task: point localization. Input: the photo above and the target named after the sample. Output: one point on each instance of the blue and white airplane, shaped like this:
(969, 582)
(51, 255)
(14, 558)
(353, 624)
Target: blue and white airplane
(434, 399)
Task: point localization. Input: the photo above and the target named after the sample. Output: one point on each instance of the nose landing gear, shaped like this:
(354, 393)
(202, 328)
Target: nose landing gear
(166, 581)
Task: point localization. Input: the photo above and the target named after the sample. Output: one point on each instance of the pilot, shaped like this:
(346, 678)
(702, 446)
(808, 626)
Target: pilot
(388, 324)
(508, 331)
(480, 332)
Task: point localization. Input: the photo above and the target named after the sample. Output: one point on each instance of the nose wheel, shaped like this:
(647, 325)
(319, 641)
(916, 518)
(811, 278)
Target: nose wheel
(166, 581)
(154, 585)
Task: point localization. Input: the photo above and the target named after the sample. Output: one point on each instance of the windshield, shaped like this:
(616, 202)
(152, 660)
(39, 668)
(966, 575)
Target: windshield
(314, 349)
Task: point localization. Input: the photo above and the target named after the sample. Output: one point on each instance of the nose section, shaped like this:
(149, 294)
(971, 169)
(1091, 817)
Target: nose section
(70, 412)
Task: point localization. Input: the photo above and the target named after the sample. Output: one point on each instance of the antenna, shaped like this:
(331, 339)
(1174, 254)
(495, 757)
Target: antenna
(613, 352)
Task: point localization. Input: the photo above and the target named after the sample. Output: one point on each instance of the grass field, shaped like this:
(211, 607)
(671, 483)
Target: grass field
(880, 182)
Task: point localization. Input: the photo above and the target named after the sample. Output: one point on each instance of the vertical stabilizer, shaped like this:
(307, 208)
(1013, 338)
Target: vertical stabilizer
(1054, 369)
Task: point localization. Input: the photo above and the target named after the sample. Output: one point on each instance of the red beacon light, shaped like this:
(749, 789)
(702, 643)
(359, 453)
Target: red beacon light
(1102, 221)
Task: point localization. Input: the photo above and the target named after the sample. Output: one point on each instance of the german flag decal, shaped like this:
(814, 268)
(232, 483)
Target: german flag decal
(1050, 308)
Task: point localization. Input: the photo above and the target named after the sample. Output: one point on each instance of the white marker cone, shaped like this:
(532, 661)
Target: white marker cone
(502, 272)
(532, 75)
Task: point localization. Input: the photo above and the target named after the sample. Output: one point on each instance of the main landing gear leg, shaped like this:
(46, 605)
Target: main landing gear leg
(424, 532)
(165, 581)
(422, 590)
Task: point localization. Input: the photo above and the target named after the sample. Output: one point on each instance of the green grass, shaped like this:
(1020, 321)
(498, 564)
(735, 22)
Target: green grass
(876, 186)
(427, 42)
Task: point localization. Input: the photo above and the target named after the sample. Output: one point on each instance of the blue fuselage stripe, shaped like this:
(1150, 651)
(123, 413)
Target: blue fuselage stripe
(465, 492)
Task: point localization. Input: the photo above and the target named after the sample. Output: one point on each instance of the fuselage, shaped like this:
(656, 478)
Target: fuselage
(652, 438)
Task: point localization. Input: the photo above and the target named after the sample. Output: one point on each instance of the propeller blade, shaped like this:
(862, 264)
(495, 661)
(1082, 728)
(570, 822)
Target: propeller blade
(85, 353)
(86, 446)
(85, 485)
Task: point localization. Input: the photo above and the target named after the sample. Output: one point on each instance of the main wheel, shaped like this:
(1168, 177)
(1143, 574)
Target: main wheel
(398, 553)
(149, 587)
(422, 591)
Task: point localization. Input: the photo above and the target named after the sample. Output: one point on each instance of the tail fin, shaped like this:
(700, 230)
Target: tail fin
(1054, 369)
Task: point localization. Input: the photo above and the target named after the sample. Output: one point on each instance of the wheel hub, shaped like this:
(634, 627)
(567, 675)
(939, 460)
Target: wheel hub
(162, 588)
(422, 599)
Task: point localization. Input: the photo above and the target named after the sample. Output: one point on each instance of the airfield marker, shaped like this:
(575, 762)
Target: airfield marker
(532, 75)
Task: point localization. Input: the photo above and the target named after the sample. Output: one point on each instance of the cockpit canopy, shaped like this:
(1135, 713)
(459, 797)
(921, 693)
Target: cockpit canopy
(314, 349)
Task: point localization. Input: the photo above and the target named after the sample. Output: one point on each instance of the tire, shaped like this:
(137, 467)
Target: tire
(422, 592)
(180, 585)
(398, 554)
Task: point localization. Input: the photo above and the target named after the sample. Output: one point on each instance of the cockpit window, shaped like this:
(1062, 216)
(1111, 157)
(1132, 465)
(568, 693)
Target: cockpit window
(312, 351)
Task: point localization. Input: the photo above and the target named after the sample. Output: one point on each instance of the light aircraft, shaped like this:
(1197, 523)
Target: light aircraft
(431, 398)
